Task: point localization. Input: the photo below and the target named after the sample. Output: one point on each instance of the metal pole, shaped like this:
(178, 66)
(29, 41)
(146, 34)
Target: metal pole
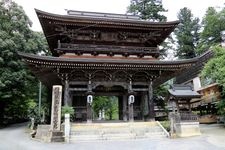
(39, 100)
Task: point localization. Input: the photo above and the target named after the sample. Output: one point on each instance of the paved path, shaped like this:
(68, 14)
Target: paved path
(213, 138)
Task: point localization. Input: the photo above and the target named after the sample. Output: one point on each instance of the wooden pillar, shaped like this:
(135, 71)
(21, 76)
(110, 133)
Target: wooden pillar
(131, 108)
(151, 112)
(130, 101)
(89, 108)
(125, 107)
(189, 106)
(89, 101)
(120, 102)
(67, 98)
(142, 105)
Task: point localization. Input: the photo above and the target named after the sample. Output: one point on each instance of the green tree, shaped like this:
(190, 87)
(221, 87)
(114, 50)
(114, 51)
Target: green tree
(215, 70)
(213, 23)
(109, 104)
(187, 34)
(17, 85)
(147, 9)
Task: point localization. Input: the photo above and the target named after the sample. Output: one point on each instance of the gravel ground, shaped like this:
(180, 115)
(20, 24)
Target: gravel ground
(213, 138)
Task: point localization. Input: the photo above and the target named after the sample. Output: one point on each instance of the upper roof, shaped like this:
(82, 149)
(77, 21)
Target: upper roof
(142, 33)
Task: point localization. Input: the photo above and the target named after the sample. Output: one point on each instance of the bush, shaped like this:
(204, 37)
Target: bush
(67, 110)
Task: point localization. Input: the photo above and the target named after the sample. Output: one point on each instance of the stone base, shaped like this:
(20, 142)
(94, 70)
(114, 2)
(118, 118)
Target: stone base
(46, 135)
(56, 136)
(42, 133)
(186, 129)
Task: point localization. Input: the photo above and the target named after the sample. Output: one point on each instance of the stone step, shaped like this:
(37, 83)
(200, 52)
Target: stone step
(118, 136)
(115, 131)
(75, 138)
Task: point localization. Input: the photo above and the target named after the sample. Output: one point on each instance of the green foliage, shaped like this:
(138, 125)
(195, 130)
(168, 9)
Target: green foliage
(17, 85)
(159, 95)
(221, 108)
(151, 10)
(147, 9)
(67, 110)
(215, 68)
(109, 104)
(213, 23)
(187, 34)
(166, 125)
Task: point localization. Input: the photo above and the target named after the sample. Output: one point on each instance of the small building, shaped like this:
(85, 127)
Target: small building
(183, 122)
(205, 107)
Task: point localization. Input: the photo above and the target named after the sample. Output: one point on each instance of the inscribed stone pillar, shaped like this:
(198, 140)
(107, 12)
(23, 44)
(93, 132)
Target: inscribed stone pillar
(56, 107)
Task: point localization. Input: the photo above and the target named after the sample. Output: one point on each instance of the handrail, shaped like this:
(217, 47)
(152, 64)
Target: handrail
(164, 130)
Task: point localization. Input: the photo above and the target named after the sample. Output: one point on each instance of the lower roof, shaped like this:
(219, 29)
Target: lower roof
(45, 67)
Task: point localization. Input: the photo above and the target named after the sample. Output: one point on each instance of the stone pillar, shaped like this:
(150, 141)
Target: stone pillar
(151, 112)
(55, 134)
(89, 108)
(124, 107)
(67, 128)
(131, 108)
(56, 107)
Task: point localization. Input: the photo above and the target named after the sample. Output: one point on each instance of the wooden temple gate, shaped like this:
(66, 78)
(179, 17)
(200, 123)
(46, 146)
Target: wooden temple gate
(100, 54)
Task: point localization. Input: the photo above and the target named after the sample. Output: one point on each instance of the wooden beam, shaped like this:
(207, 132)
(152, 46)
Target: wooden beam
(78, 89)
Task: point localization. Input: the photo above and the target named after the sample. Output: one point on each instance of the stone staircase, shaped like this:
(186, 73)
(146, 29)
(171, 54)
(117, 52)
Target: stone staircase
(115, 131)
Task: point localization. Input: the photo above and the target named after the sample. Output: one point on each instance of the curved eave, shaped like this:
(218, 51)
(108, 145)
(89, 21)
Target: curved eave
(104, 20)
(48, 61)
(186, 94)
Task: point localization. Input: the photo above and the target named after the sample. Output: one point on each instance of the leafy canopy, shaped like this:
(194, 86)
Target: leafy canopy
(147, 9)
(187, 34)
(213, 23)
(17, 85)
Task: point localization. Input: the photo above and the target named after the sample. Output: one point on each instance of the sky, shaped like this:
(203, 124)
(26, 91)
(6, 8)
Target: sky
(198, 7)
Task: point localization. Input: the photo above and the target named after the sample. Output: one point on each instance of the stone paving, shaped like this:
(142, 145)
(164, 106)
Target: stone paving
(212, 138)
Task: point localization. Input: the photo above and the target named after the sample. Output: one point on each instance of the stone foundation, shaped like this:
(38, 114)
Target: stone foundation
(186, 129)
(43, 133)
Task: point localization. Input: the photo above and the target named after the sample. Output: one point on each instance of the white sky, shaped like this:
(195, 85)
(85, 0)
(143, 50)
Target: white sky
(198, 7)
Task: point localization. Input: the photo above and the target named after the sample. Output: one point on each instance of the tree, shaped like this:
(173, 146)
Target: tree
(215, 70)
(147, 9)
(108, 104)
(187, 34)
(213, 23)
(17, 85)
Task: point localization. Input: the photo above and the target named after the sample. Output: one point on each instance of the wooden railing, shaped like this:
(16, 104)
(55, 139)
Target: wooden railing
(106, 49)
